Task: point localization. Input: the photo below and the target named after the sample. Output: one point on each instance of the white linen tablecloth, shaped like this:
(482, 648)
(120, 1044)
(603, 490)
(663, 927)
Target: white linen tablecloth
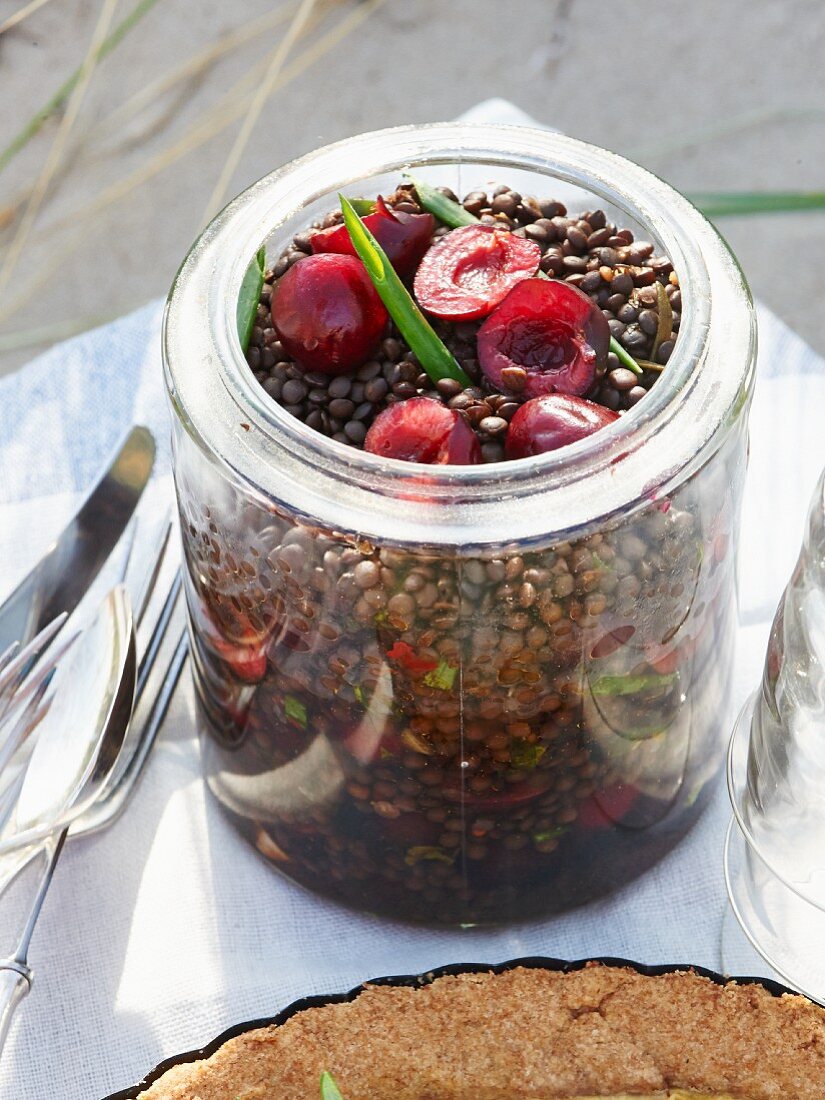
(167, 928)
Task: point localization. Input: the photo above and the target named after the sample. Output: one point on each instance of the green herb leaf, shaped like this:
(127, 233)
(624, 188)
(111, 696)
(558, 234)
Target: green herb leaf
(431, 353)
(525, 755)
(329, 1089)
(358, 692)
(362, 207)
(425, 851)
(442, 677)
(665, 327)
(250, 296)
(722, 204)
(550, 834)
(449, 212)
(631, 685)
(624, 357)
(294, 708)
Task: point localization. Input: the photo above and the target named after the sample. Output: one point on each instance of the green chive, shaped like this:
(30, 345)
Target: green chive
(449, 212)
(624, 357)
(722, 204)
(329, 1090)
(294, 708)
(431, 353)
(250, 296)
(631, 685)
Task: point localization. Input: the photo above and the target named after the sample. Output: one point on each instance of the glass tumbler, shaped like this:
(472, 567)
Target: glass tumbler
(475, 694)
(775, 851)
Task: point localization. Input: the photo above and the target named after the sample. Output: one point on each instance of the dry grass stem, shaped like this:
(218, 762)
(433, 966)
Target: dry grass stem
(215, 121)
(262, 94)
(35, 123)
(52, 161)
(210, 125)
(193, 68)
(22, 13)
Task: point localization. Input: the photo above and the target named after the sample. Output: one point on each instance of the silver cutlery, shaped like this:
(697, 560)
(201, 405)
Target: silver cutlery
(63, 575)
(124, 768)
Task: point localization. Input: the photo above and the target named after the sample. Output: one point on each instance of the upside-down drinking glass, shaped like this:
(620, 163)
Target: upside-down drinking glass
(775, 852)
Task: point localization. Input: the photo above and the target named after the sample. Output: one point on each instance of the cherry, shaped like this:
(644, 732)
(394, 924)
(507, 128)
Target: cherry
(404, 237)
(469, 271)
(423, 430)
(547, 423)
(550, 330)
(327, 313)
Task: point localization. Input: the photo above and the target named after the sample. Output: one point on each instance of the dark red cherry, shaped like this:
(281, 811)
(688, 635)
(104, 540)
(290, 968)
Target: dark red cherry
(423, 430)
(327, 313)
(469, 271)
(547, 423)
(404, 237)
(552, 332)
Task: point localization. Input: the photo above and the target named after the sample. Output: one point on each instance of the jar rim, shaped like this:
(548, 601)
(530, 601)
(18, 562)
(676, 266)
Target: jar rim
(642, 455)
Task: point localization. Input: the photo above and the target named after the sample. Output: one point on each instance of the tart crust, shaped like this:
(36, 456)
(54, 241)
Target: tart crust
(527, 1034)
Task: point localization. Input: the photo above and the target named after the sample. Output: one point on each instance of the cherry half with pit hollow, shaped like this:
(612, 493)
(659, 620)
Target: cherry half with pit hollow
(546, 337)
(469, 271)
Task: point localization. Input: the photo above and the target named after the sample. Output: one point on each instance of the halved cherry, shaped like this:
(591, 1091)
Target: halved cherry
(545, 337)
(327, 313)
(404, 237)
(423, 430)
(469, 271)
(547, 423)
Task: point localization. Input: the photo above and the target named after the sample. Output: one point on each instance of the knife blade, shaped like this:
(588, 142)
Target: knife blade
(63, 575)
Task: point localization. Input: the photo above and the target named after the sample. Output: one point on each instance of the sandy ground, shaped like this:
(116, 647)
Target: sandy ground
(709, 95)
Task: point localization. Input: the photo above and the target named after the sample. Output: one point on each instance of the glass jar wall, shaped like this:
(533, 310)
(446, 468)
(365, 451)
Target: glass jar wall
(461, 695)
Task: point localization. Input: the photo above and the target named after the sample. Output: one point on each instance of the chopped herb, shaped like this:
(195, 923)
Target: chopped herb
(550, 834)
(448, 212)
(381, 616)
(524, 755)
(294, 708)
(358, 692)
(433, 355)
(329, 1089)
(438, 855)
(631, 685)
(250, 296)
(442, 677)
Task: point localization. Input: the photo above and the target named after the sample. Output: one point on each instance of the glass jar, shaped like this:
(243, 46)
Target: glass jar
(461, 694)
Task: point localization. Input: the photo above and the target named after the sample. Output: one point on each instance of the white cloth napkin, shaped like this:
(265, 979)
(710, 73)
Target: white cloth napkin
(167, 928)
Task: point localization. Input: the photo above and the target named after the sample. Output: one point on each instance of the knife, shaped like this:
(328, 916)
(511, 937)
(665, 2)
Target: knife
(63, 575)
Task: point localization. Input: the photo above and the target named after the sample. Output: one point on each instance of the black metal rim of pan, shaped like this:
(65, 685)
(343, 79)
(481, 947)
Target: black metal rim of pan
(535, 962)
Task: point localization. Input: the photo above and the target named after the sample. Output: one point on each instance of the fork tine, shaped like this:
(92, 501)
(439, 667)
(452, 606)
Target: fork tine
(147, 586)
(7, 655)
(19, 741)
(18, 669)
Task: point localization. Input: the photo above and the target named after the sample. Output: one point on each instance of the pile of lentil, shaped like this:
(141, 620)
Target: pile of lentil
(472, 738)
(587, 251)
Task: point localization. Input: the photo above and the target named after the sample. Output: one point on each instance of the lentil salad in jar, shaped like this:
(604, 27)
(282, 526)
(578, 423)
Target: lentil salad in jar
(462, 643)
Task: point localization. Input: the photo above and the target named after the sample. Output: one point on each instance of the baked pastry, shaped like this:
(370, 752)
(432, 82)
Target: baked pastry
(528, 1034)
